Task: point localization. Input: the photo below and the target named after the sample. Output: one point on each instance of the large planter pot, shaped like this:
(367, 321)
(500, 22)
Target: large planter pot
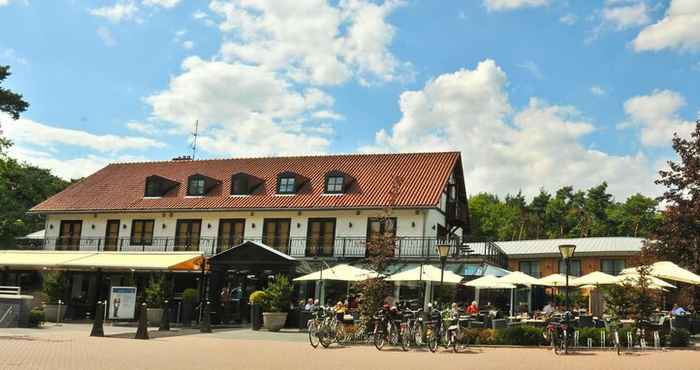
(51, 312)
(154, 315)
(274, 321)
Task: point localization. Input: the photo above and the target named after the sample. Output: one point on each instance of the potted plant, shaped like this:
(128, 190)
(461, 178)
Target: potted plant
(257, 300)
(154, 295)
(54, 288)
(189, 300)
(276, 304)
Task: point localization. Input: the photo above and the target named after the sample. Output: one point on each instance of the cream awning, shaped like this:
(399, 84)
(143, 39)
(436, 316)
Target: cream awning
(157, 261)
(670, 271)
(556, 280)
(426, 273)
(489, 282)
(342, 272)
(595, 278)
(38, 259)
(519, 278)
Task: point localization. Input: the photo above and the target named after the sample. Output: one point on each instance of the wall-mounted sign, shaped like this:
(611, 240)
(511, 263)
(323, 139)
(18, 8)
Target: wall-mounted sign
(122, 303)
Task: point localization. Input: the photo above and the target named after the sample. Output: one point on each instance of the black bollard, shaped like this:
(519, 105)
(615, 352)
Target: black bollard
(205, 325)
(142, 331)
(97, 324)
(165, 319)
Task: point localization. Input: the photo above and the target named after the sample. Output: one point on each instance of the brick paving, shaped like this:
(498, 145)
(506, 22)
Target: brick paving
(70, 347)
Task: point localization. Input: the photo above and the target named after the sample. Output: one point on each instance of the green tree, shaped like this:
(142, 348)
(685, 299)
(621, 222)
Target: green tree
(10, 102)
(21, 187)
(538, 211)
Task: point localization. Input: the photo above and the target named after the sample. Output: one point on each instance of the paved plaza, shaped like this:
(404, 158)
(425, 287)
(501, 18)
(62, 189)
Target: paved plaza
(70, 347)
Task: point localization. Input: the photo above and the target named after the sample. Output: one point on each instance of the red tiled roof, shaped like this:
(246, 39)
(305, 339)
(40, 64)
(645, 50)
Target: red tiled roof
(120, 186)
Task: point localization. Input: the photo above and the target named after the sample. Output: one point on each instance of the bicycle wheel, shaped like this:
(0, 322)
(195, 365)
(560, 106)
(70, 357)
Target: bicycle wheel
(553, 340)
(394, 334)
(325, 336)
(418, 331)
(565, 342)
(459, 341)
(378, 337)
(431, 339)
(405, 337)
(313, 334)
(341, 336)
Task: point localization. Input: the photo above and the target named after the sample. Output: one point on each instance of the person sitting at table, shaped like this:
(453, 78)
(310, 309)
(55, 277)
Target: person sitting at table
(473, 308)
(549, 308)
(455, 309)
(309, 305)
(678, 310)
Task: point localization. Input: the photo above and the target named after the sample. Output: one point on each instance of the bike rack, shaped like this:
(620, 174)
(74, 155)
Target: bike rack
(603, 336)
(630, 341)
(657, 340)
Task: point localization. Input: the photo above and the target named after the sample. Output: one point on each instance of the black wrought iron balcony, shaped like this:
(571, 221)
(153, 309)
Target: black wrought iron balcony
(351, 247)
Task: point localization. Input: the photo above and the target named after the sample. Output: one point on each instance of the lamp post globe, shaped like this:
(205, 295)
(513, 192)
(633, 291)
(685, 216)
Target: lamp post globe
(567, 251)
(443, 251)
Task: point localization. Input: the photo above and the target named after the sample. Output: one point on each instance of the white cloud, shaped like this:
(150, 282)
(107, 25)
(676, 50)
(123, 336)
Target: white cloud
(540, 145)
(533, 68)
(597, 90)
(30, 133)
(161, 3)
(627, 16)
(199, 15)
(568, 19)
(120, 11)
(312, 41)
(106, 36)
(657, 117)
(66, 168)
(503, 5)
(11, 55)
(678, 30)
(242, 109)
(326, 114)
(187, 44)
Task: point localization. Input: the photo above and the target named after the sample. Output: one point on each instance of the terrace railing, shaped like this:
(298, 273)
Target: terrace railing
(299, 247)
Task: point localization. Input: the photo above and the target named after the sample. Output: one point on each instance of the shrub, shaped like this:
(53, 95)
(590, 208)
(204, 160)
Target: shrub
(679, 338)
(36, 317)
(190, 295)
(521, 335)
(258, 297)
(589, 333)
(487, 336)
(154, 294)
(278, 294)
(54, 286)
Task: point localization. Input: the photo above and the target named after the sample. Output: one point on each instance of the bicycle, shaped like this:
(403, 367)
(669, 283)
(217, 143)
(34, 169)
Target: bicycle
(558, 333)
(385, 327)
(611, 326)
(456, 334)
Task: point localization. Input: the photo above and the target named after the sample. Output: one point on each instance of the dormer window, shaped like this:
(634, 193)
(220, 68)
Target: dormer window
(286, 185)
(195, 185)
(335, 184)
(244, 184)
(158, 186)
(199, 185)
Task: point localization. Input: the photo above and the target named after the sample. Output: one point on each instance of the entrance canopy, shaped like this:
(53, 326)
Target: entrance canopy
(119, 261)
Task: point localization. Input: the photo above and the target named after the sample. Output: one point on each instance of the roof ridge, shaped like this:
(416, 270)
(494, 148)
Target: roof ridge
(302, 156)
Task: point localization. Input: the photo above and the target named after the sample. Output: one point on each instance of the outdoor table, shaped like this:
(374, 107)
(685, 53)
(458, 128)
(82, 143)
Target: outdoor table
(534, 322)
(627, 322)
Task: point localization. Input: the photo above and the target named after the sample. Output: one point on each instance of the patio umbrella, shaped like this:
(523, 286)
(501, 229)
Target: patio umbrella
(489, 282)
(425, 273)
(594, 278)
(669, 271)
(519, 278)
(342, 272)
(654, 283)
(556, 280)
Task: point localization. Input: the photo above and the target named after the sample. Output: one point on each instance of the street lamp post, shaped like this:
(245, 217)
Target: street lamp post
(567, 251)
(443, 251)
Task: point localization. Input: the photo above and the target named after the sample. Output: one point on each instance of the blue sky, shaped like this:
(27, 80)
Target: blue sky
(532, 92)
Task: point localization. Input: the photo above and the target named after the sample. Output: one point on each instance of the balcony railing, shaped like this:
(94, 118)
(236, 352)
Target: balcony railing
(299, 247)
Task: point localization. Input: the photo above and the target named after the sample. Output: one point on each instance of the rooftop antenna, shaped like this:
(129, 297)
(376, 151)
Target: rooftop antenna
(194, 139)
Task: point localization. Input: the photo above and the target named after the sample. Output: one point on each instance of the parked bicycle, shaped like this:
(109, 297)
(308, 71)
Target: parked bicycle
(612, 326)
(558, 333)
(386, 327)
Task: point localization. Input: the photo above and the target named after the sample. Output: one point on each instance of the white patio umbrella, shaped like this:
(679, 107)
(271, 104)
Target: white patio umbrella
(556, 280)
(489, 282)
(653, 282)
(425, 273)
(594, 278)
(342, 272)
(519, 278)
(669, 271)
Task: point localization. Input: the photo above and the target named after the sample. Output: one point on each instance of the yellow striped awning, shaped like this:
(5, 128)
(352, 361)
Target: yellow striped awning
(144, 261)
